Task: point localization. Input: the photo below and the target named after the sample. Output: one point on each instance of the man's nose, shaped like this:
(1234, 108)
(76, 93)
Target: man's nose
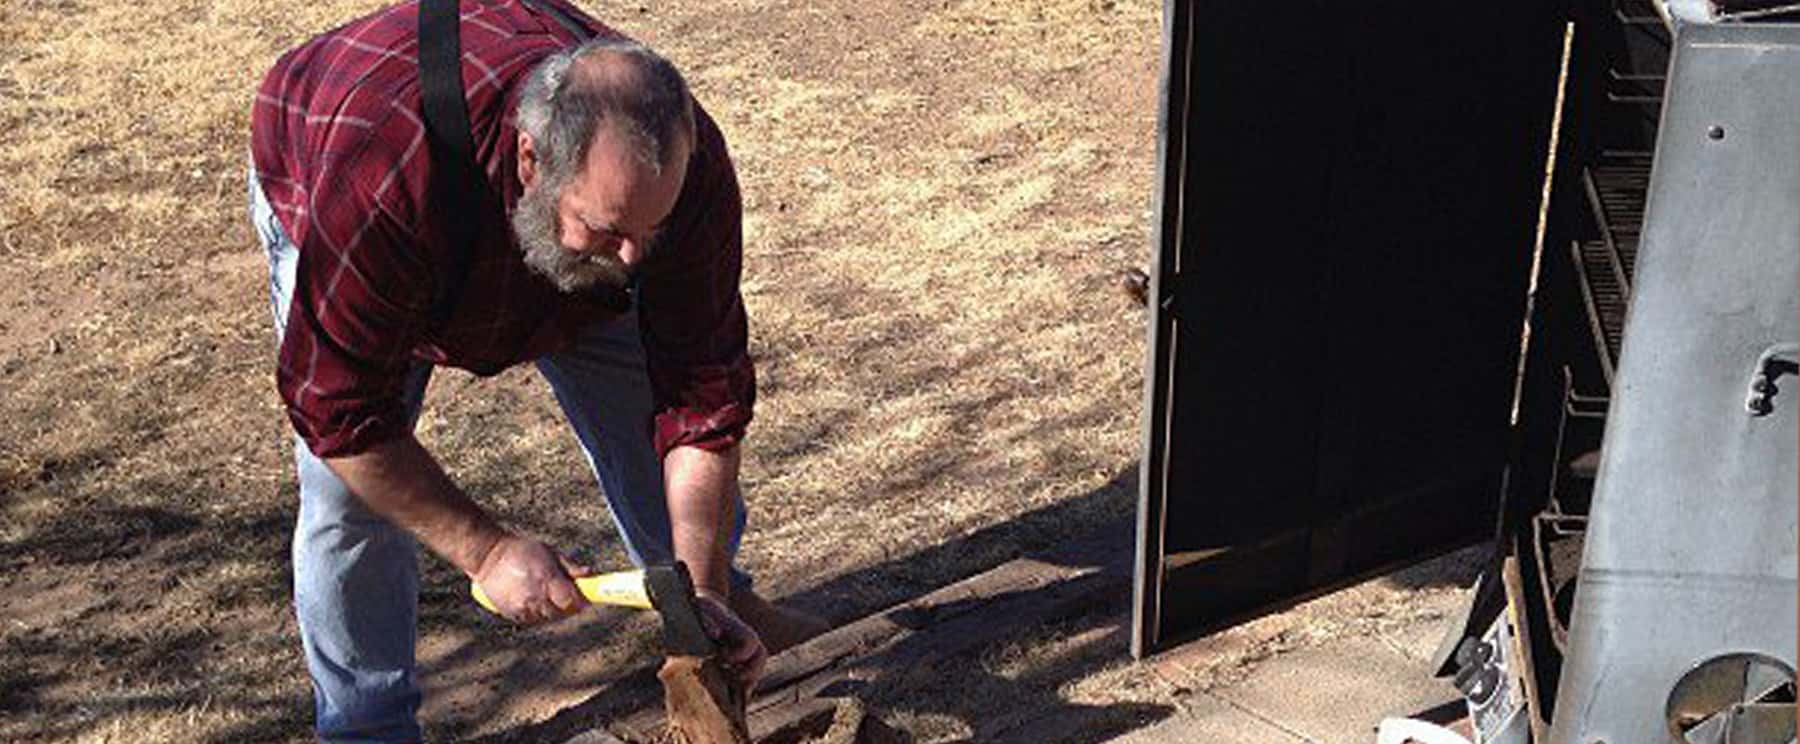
(577, 239)
(630, 251)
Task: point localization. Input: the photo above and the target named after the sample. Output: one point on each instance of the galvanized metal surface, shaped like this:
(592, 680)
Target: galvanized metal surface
(1692, 540)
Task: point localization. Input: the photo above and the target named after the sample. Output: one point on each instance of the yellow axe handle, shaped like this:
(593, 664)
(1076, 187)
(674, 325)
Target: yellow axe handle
(619, 588)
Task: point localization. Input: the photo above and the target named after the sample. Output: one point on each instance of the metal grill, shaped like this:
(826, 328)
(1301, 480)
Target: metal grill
(1620, 65)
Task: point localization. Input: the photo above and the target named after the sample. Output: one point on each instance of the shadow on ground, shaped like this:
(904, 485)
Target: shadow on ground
(176, 644)
(178, 613)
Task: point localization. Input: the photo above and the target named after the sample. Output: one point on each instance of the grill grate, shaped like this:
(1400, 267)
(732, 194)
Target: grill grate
(1616, 185)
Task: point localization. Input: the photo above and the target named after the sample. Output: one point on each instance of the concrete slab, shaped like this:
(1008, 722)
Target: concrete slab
(1205, 662)
(1418, 640)
(1210, 719)
(1336, 693)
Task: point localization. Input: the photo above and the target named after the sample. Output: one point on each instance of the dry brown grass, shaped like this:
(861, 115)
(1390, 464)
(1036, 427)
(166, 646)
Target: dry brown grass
(935, 193)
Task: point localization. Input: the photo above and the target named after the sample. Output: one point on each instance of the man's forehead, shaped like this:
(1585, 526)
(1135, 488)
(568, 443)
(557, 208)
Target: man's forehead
(614, 144)
(620, 193)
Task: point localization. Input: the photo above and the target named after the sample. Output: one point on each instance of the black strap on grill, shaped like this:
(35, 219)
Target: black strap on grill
(456, 179)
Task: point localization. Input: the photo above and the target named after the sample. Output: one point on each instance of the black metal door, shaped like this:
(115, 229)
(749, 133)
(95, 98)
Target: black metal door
(1348, 200)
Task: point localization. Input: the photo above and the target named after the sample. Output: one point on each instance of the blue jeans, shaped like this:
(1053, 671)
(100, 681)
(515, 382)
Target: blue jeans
(356, 580)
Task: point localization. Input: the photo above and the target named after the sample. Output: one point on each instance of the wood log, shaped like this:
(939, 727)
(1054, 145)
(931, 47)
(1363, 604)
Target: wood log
(803, 686)
(702, 704)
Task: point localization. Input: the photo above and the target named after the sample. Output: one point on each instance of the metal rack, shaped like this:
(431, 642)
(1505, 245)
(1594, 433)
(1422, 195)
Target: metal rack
(1615, 186)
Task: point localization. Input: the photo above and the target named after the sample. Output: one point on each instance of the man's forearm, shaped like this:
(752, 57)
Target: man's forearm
(702, 490)
(404, 484)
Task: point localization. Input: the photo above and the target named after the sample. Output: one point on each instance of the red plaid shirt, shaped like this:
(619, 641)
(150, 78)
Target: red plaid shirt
(339, 146)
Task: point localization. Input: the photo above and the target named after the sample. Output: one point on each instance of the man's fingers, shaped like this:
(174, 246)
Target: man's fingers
(753, 670)
(745, 651)
(741, 648)
(542, 611)
(525, 613)
(564, 596)
(510, 607)
(750, 669)
(575, 570)
(744, 648)
(519, 611)
(753, 673)
(711, 626)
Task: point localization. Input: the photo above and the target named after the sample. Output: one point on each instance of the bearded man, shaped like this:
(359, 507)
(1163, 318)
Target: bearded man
(599, 237)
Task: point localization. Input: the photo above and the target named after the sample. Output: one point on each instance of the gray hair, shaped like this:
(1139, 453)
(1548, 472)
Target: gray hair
(642, 95)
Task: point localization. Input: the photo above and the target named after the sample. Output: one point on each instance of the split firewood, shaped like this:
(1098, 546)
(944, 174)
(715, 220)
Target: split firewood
(702, 704)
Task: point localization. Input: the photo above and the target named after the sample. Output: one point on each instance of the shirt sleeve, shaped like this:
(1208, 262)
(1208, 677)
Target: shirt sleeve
(691, 310)
(360, 300)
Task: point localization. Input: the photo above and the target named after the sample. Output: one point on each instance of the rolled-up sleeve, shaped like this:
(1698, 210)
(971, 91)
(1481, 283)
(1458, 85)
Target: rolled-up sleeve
(691, 310)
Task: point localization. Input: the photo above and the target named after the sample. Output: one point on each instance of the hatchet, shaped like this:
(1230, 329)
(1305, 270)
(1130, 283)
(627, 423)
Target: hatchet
(702, 705)
(666, 588)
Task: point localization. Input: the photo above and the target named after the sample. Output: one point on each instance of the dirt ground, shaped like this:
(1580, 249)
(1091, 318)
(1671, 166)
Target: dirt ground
(937, 192)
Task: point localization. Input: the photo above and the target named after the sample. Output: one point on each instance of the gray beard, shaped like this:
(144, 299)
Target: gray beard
(534, 223)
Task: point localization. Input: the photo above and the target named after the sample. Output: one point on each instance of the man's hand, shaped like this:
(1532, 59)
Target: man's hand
(740, 647)
(528, 582)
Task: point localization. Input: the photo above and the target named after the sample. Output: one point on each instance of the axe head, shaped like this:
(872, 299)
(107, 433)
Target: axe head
(671, 592)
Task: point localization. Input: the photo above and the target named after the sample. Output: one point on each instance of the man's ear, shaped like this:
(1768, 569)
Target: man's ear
(528, 161)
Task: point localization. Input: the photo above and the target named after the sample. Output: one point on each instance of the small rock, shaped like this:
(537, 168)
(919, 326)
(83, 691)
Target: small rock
(1135, 283)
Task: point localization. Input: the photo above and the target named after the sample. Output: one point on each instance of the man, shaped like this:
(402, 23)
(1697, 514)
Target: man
(605, 248)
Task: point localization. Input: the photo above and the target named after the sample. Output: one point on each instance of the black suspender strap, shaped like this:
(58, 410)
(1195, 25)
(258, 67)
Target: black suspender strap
(455, 179)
